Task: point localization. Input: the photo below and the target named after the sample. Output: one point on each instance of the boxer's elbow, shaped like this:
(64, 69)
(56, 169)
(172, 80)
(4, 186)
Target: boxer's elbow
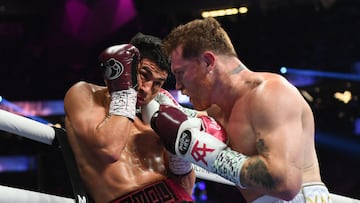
(288, 188)
(107, 147)
(288, 193)
(108, 155)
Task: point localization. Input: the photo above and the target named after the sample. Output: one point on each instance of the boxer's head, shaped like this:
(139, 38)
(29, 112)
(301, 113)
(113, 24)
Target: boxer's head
(153, 68)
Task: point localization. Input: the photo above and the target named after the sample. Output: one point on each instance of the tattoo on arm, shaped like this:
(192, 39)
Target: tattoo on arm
(261, 147)
(257, 175)
(256, 172)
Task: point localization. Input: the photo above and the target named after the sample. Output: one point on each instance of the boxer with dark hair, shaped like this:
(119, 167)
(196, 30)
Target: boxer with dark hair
(120, 158)
(270, 154)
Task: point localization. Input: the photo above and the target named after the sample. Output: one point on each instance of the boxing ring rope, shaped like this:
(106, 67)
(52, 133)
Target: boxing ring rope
(206, 175)
(15, 195)
(46, 134)
(25, 127)
(43, 133)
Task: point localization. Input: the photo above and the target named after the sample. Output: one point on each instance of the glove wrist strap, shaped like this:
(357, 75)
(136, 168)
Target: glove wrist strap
(228, 164)
(178, 165)
(123, 103)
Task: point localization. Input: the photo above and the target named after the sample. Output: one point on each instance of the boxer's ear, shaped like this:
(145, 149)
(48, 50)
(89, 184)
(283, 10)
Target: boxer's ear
(209, 58)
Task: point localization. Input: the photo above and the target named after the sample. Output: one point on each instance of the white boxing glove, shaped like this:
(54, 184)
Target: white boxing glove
(163, 98)
(177, 165)
(200, 141)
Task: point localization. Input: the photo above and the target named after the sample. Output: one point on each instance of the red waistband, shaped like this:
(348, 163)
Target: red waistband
(165, 191)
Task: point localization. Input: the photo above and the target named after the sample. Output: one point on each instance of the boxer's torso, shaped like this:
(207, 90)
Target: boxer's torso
(140, 163)
(242, 129)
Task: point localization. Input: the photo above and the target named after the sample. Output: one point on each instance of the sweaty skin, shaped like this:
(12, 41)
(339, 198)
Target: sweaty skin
(110, 169)
(274, 128)
(259, 135)
(115, 155)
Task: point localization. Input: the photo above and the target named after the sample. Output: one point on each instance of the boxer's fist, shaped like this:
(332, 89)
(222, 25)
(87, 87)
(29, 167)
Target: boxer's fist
(199, 141)
(166, 123)
(182, 135)
(177, 165)
(119, 66)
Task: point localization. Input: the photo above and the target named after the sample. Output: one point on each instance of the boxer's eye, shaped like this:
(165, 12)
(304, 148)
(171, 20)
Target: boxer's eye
(144, 74)
(158, 83)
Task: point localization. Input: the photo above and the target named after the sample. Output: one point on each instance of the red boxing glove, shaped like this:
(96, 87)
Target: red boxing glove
(119, 65)
(210, 126)
(166, 123)
(197, 140)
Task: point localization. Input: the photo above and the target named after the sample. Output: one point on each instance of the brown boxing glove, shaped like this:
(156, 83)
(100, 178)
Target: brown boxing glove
(119, 66)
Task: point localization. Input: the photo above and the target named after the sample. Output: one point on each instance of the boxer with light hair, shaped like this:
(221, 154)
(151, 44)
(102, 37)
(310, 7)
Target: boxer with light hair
(270, 154)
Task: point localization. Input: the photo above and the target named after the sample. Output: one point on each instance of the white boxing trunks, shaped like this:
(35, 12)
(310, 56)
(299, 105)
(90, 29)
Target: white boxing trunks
(315, 192)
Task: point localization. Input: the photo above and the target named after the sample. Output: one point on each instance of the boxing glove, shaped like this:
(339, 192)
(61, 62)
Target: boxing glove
(163, 97)
(177, 165)
(199, 141)
(119, 66)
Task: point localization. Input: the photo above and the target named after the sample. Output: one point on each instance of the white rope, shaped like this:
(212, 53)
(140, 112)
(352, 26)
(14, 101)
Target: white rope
(15, 195)
(342, 199)
(25, 127)
(206, 175)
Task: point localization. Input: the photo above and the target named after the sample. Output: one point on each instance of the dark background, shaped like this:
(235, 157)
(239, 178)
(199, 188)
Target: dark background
(46, 46)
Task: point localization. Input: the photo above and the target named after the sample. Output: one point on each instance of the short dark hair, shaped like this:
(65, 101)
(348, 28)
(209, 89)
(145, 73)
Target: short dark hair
(150, 47)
